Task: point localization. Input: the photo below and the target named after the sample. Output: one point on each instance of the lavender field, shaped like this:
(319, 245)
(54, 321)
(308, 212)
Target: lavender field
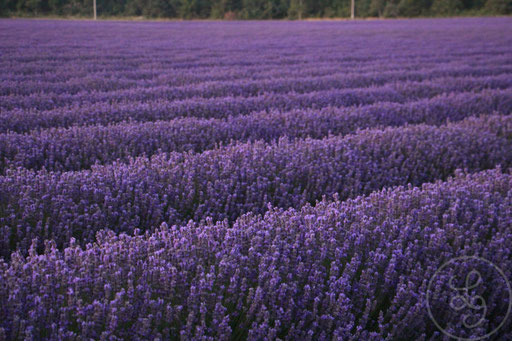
(256, 180)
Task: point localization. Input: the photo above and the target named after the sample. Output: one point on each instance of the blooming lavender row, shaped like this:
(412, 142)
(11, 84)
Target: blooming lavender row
(354, 270)
(226, 182)
(242, 88)
(20, 120)
(102, 90)
(496, 124)
(87, 58)
(228, 44)
(73, 82)
(159, 71)
(81, 147)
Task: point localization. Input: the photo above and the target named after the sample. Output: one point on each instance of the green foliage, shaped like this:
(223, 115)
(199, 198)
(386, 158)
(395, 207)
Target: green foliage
(413, 8)
(32, 6)
(391, 10)
(499, 6)
(377, 8)
(446, 7)
(254, 9)
(4, 10)
(296, 9)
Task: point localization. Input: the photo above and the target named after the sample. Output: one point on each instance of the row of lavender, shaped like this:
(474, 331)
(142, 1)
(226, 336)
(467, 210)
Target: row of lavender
(172, 60)
(79, 148)
(107, 111)
(354, 270)
(59, 82)
(205, 80)
(36, 97)
(226, 182)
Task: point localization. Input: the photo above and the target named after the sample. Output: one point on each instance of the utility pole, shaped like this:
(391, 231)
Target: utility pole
(94, 8)
(352, 9)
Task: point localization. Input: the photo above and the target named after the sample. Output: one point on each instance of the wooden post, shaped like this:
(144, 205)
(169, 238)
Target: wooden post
(94, 8)
(300, 9)
(352, 10)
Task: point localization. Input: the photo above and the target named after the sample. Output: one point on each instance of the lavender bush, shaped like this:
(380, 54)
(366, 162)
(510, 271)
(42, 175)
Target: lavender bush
(79, 148)
(116, 110)
(226, 182)
(353, 270)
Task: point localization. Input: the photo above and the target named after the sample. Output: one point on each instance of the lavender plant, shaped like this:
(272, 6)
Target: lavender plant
(226, 182)
(79, 148)
(352, 270)
(111, 110)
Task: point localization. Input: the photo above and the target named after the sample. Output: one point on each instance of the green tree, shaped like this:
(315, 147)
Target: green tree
(413, 8)
(186, 9)
(258, 9)
(219, 9)
(377, 8)
(446, 7)
(56, 6)
(391, 10)
(159, 9)
(296, 9)
(29, 6)
(255, 9)
(499, 6)
(362, 8)
(4, 8)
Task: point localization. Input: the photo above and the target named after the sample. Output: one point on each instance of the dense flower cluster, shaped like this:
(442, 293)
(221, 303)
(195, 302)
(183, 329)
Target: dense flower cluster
(81, 147)
(491, 77)
(226, 182)
(352, 270)
(157, 184)
(114, 110)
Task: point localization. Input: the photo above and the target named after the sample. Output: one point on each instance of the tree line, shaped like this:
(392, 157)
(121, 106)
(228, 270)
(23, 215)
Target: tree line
(254, 9)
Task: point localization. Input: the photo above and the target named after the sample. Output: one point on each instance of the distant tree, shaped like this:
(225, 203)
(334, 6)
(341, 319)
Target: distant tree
(317, 8)
(268, 10)
(473, 4)
(413, 8)
(254, 9)
(446, 7)
(340, 8)
(261, 9)
(377, 8)
(4, 10)
(56, 6)
(296, 9)
(280, 9)
(391, 10)
(186, 9)
(29, 6)
(499, 6)
(218, 9)
(362, 8)
(159, 9)
(251, 9)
